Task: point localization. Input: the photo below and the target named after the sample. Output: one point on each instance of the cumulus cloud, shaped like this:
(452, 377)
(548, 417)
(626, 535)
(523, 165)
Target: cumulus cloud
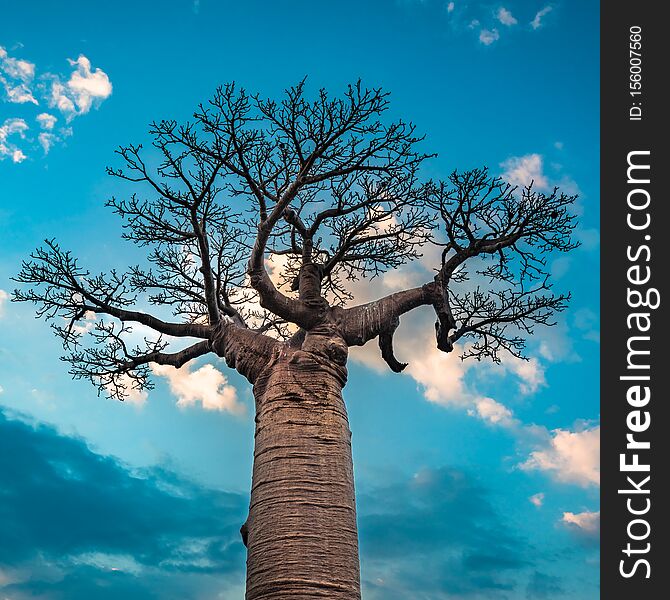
(75, 95)
(505, 17)
(536, 23)
(584, 527)
(569, 457)
(537, 499)
(584, 523)
(206, 385)
(494, 412)
(441, 376)
(450, 7)
(530, 373)
(522, 170)
(488, 36)
(46, 121)
(16, 77)
(84, 89)
(10, 130)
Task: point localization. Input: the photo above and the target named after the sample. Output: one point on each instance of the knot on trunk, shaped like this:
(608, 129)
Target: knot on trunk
(325, 341)
(245, 350)
(321, 349)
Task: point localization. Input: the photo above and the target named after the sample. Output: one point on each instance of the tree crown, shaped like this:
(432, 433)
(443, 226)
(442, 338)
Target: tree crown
(258, 214)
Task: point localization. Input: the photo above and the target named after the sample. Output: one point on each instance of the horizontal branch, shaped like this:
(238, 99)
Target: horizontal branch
(174, 359)
(365, 322)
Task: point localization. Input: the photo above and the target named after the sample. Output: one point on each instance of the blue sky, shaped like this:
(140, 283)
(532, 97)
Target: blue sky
(473, 481)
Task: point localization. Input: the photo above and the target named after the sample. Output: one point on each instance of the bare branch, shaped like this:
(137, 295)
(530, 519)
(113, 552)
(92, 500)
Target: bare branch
(258, 216)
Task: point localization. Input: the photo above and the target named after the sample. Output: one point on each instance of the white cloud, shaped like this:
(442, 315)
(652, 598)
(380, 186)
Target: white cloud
(84, 89)
(87, 324)
(530, 373)
(206, 386)
(47, 140)
(556, 344)
(46, 121)
(587, 523)
(87, 86)
(537, 499)
(18, 156)
(450, 7)
(488, 36)
(536, 23)
(505, 17)
(4, 296)
(495, 413)
(133, 395)
(108, 562)
(12, 127)
(521, 170)
(59, 99)
(441, 376)
(569, 457)
(16, 76)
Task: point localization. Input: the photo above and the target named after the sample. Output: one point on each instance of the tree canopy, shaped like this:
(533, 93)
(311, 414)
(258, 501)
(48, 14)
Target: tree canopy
(329, 190)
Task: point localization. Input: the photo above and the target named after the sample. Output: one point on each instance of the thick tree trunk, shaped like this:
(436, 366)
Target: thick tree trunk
(301, 532)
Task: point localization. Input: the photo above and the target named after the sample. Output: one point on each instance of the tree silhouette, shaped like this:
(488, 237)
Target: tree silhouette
(328, 190)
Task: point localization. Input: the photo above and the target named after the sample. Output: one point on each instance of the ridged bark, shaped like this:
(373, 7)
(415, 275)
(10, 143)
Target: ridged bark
(301, 532)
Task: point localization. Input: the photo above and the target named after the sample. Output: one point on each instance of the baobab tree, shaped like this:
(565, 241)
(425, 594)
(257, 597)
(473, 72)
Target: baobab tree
(330, 193)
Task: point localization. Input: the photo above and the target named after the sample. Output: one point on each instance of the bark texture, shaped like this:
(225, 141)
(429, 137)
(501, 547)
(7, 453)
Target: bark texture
(301, 532)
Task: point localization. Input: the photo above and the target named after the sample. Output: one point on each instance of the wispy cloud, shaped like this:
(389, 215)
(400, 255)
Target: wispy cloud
(536, 23)
(11, 130)
(16, 77)
(522, 170)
